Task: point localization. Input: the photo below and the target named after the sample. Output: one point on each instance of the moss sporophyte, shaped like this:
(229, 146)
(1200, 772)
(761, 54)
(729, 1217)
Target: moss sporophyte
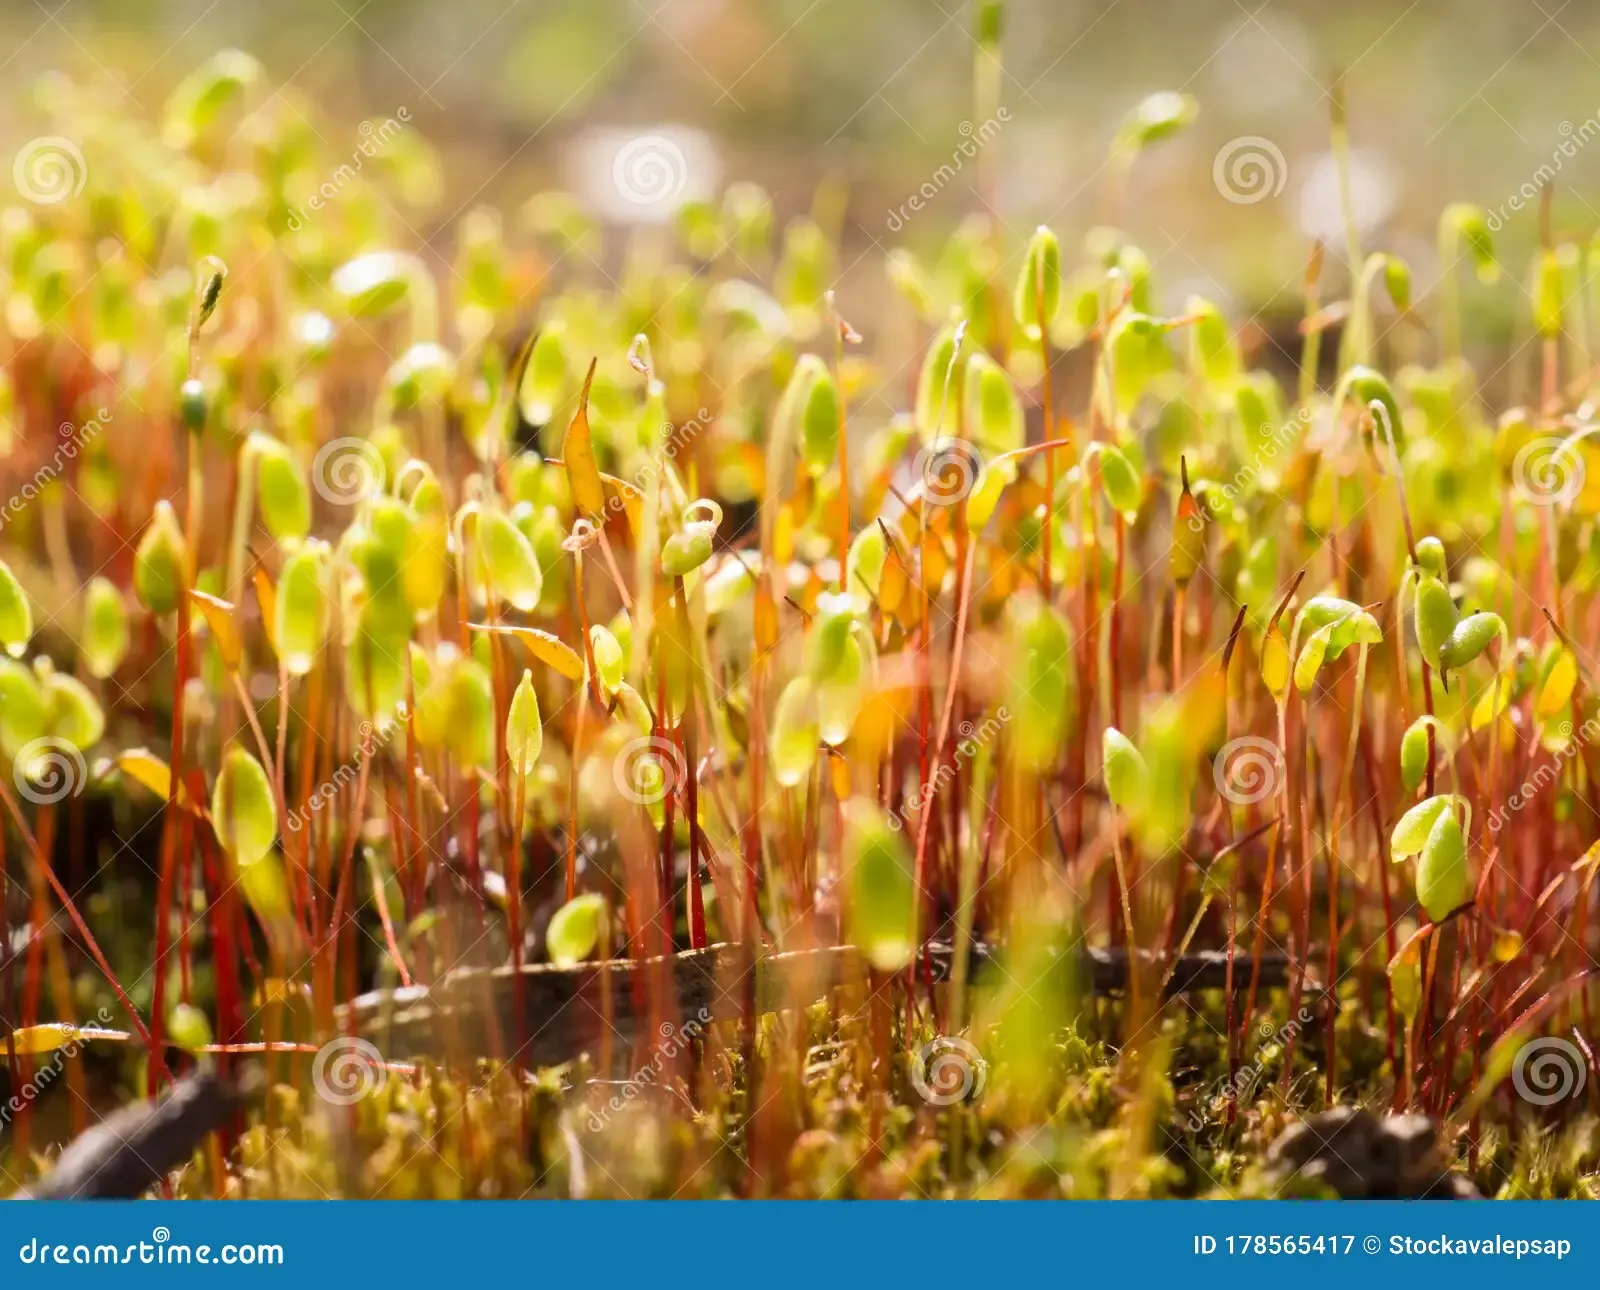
(660, 736)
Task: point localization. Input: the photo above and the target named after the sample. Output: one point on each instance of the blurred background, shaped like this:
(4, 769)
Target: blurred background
(1448, 100)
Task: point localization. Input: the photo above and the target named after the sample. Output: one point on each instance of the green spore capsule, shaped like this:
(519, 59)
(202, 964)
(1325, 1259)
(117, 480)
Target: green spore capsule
(1124, 488)
(506, 561)
(73, 714)
(188, 1028)
(795, 732)
(375, 674)
(993, 412)
(281, 490)
(193, 405)
(544, 378)
(1411, 831)
(1431, 556)
(1042, 698)
(609, 659)
(105, 628)
(1125, 772)
(574, 929)
(373, 284)
(161, 562)
(23, 712)
(881, 908)
(869, 549)
(819, 422)
(16, 615)
(931, 414)
(304, 609)
(1468, 639)
(841, 693)
(1038, 291)
(692, 545)
(242, 809)
(468, 713)
(1414, 752)
(524, 729)
(1436, 618)
(1443, 881)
